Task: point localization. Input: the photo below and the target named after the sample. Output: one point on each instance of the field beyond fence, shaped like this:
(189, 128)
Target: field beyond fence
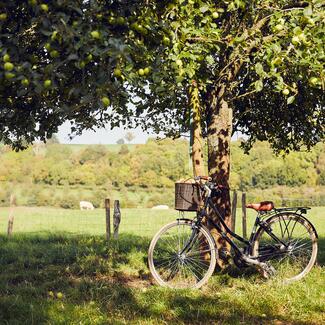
(140, 222)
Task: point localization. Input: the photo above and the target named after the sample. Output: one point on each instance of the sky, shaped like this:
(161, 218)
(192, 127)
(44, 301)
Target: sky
(101, 136)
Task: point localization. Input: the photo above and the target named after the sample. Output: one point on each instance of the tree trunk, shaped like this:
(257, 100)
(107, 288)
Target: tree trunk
(196, 133)
(219, 137)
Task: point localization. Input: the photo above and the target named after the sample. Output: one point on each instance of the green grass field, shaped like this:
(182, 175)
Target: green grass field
(58, 269)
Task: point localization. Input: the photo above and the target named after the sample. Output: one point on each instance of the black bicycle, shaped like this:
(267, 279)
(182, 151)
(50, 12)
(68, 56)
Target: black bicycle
(283, 244)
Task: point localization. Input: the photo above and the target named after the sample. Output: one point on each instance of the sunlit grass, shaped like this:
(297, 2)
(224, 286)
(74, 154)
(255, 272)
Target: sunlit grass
(109, 283)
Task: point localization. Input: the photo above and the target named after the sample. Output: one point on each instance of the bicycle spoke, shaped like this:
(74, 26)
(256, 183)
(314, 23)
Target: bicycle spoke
(291, 258)
(182, 256)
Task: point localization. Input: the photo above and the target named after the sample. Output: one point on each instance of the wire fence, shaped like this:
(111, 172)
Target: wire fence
(140, 222)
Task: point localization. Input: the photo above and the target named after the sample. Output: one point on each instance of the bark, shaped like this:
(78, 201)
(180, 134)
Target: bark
(196, 133)
(219, 137)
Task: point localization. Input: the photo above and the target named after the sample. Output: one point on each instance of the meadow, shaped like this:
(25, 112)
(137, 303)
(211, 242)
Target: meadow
(57, 269)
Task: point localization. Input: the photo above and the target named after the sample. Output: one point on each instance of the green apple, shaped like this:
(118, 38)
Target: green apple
(3, 16)
(54, 54)
(117, 72)
(25, 82)
(47, 83)
(166, 40)
(82, 64)
(8, 66)
(6, 58)
(33, 2)
(45, 7)
(313, 81)
(51, 294)
(89, 57)
(47, 46)
(215, 15)
(95, 34)
(120, 20)
(106, 101)
(141, 72)
(146, 70)
(9, 75)
(54, 35)
(286, 92)
(59, 295)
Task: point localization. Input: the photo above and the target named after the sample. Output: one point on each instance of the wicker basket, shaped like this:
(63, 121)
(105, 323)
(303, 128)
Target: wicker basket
(187, 197)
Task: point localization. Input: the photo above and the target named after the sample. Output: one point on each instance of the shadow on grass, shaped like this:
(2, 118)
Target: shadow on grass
(105, 283)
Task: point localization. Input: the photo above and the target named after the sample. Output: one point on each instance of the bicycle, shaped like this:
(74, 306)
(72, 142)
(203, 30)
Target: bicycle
(283, 243)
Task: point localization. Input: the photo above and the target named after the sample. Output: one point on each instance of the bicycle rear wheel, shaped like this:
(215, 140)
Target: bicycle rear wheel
(181, 255)
(295, 254)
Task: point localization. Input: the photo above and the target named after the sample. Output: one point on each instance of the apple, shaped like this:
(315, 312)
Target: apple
(112, 20)
(215, 15)
(8, 66)
(141, 72)
(47, 83)
(106, 101)
(166, 40)
(82, 64)
(6, 58)
(313, 81)
(47, 46)
(25, 82)
(3, 16)
(120, 20)
(45, 7)
(9, 75)
(286, 92)
(89, 57)
(33, 2)
(59, 295)
(95, 34)
(117, 72)
(54, 34)
(51, 294)
(54, 54)
(146, 70)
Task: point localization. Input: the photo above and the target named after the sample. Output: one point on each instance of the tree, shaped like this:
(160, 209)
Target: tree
(258, 66)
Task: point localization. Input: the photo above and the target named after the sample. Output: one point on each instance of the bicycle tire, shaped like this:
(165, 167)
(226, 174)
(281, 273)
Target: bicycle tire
(205, 257)
(292, 262)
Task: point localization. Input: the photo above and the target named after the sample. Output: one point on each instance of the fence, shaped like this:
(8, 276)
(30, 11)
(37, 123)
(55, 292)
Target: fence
(105, 222)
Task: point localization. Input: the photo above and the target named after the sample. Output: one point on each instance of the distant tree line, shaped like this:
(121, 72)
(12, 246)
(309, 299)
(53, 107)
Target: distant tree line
(60, 175)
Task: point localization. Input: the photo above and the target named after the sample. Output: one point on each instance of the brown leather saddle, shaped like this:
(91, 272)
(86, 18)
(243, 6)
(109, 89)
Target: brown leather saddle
(262, 206)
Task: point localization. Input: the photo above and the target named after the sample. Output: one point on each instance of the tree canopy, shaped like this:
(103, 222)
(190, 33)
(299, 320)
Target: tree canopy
(131, 63)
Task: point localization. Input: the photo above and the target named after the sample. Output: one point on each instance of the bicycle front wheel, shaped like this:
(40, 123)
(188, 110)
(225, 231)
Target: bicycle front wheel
(291, 248)
(181, 255)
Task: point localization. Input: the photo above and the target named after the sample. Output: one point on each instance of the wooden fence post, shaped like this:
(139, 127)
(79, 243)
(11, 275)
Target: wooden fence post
(116, 218)
(243, 206)
(108, 219)
(11, 215)
(233, 211)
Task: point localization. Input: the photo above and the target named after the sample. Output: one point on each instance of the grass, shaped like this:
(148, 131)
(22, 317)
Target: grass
(108, 282)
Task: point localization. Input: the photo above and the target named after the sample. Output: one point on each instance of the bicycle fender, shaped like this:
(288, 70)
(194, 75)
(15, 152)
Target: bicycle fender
(297, 214)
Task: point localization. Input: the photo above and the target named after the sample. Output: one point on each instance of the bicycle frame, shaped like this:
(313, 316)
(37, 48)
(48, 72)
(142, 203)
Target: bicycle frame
(226, 230)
